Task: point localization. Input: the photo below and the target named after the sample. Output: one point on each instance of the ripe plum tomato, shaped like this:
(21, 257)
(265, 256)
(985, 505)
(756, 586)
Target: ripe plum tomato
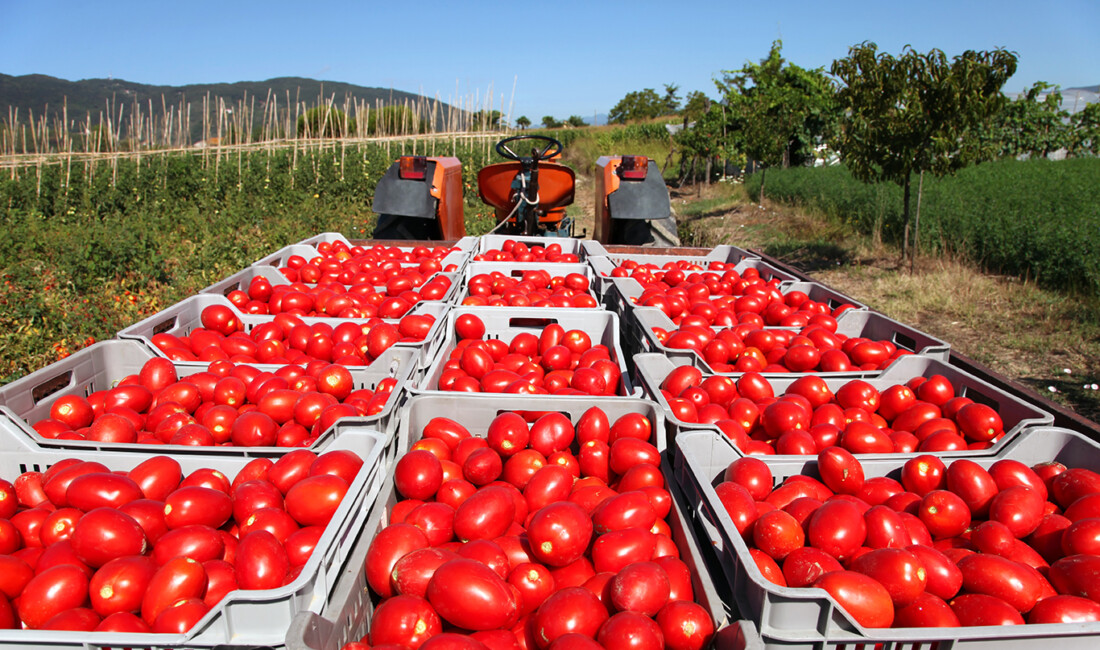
(862, 597)
(470, 595)
(314, 500)
(559, 533)
(570, 610)
(404, 621)
(390, 544)
(418, 475)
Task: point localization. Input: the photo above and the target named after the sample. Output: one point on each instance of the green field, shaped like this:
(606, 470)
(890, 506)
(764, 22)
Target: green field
(1038, 219)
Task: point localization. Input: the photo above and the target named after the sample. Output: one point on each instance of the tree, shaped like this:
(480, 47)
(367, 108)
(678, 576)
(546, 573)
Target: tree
(1034, 124)
(671, 99)
(917, 113)
(523, 122)
(783, 110)
(576, 121)
(325, 122)
(637, 105)
(485, 120)
(1085, 138)
(550, 122)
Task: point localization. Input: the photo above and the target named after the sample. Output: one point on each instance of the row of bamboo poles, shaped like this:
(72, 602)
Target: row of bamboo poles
(133, 129)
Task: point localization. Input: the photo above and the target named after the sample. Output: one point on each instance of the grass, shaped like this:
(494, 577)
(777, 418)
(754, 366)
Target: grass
(1043, 338)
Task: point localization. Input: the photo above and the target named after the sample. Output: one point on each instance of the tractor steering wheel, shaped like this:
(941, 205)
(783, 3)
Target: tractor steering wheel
(552, 148)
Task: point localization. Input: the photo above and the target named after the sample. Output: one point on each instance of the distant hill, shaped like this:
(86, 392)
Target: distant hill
(36, 92)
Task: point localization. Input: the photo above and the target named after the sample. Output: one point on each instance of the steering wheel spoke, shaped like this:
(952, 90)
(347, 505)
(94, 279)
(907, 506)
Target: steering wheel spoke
(553, 147)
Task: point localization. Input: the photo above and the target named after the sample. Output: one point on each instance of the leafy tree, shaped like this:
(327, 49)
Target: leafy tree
(523, 122)
(575, 121)
(325, 122)
(637, 105)
(550, 122)
(1085, 137)
(783, 110)
(713, 135)
(485, 120)
(671, 99)
(697, 104)
(917, 113)
(1032, 124)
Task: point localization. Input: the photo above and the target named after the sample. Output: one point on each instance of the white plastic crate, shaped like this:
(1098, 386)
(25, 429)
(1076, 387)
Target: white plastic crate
(1016, 414)
(243, 619)
(506, 323)
(241, 280)
(604, 266)
(640, 324)
(185, 316)
(459, 257)
(723, 253)
(100, 367)
(517, 269)
(346, 616)
(807, 618)
(487, 243)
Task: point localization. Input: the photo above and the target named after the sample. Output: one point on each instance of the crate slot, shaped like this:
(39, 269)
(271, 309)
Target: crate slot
(531, 323)
(51, 386)
(165, 325)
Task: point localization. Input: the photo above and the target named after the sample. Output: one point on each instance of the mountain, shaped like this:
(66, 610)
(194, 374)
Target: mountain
(35, 92)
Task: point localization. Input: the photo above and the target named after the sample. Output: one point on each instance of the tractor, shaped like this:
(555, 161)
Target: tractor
(420, 197)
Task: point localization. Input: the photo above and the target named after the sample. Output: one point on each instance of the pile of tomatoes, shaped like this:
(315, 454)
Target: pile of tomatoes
(227, 404)
(517, 251)
(536, 288)
(337, 262)
(287, 339)
(402, 290)
(536, 535)
(944, 546)
(153, 549)
(556, 362)
(922, 415)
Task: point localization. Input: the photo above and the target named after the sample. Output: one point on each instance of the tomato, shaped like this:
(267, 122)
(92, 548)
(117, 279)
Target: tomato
(570, 610)
(390, 545)
(486, 514)
(262, 561)
(944, 579)
(51, 592)
(472, 596)
(106, 533)
(997, 576)
(901, 572)
(979, 422)
(1064, 609)
(974, 484)
(418, 475)
(927, 610)
(840, 470)
(982, 609)
(944, 513)
(314, 500)
(838, 528)
(630, 630)
(777, 533)
(123, 622)
(803, 566)
(923, 474)
(885, 528)
(559, 533)
(178, 579)
(685, 625)
(254, 429)
(404, 620)
(752, 474)
(862, 597)
(120, 585)
(200, 543)
(641, 587)
(180, 617)
(1077, 575)
(1018, 507)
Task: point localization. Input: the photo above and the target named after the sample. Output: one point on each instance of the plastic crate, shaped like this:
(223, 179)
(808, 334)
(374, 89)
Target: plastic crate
(241, 280)
(346, 616)
(517, 269)
(326, 238)
(243, 618)
(1016, 414)
(723, 253)
(506, 323)
(604, 266)
(810, 618)
(851, 323)
(185, 316)
(459, 257)
(487, 243)
(102, 365)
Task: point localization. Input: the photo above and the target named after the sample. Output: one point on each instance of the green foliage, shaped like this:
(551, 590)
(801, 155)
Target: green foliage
(523, 122)
(1031, 126)
(550, 122)
(325, 122)
(1085, 138)
(1003, 214)
(642, 105)
(575, 121)
(781, 111)
(917, 112)
(485, 120)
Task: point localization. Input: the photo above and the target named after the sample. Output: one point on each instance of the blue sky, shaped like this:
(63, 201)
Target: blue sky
(563, 58)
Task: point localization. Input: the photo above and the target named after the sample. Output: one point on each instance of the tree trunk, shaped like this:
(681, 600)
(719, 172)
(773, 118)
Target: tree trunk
(916, 224)
(710, 161)
(763, 177)
(905, 217)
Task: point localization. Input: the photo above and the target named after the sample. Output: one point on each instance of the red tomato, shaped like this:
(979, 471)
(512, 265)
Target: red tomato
(840, 470)
(51, 592)
(388, 546)
(120, 585)
(862, 597)
(569, 610)
(927, 610)
(803, 566)
(314, 500)
(178, 579)
(944, 513)
(104, 534)
(777, 533)
(1064, 609)
(418, 475)
(406, 621)
(559, 533)
(472, 596)
(982, 609)
(901, 572)
(973, 484)
(630, 630)
(837, 527)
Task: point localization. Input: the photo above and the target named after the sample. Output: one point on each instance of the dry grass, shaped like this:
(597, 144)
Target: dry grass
(1044, 339)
